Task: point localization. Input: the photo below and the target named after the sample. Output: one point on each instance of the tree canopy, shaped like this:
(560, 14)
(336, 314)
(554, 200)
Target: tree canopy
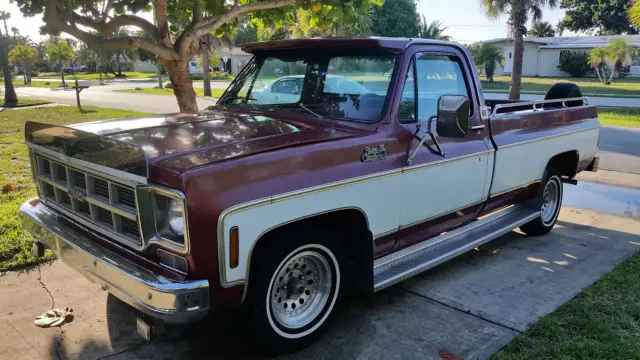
(541, 29)
(396, 18)
(182, 28)
(601, 17)
(432, 30)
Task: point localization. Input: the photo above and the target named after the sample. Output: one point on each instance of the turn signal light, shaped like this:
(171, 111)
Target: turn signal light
(234, 245)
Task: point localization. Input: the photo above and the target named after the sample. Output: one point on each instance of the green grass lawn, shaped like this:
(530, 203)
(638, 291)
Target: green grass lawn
(26, 102)
(612, 116)
(602, 322)
(216, 93)
(43, 84)
(15, 243)
(95, 76)
(589, 86)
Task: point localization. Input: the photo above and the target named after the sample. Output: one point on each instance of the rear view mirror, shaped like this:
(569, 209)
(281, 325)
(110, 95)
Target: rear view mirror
(453, 116)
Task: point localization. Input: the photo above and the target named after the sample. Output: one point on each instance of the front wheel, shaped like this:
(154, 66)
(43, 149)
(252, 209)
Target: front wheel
(295, 290)
(549, 201)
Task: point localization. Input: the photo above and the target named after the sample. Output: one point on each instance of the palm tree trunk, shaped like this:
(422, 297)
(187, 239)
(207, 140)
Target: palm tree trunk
(613, 71)
(516, 73)
(597, 73)
(206, 75)
(10, 97)
(118, 63)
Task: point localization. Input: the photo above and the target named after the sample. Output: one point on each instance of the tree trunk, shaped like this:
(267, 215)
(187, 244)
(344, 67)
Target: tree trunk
(182, 85)
(516, 72)
(62, 73)
(10, 97)
(206, 75)
(28, 68)
(597, 70)
(118, 63)
(159, 72)
(613, 71)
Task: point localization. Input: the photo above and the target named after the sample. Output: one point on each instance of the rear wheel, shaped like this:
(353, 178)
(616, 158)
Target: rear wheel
(294, 289)
(549, 201)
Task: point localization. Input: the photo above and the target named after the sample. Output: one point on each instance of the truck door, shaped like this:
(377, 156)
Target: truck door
(441, 191)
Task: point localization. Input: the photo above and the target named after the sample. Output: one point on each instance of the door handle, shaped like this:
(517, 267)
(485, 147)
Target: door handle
(478, 127)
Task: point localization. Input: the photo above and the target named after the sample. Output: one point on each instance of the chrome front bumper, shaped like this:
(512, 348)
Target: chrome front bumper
(159, 297)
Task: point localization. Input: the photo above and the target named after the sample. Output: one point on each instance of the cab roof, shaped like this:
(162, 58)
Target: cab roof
(392, 44)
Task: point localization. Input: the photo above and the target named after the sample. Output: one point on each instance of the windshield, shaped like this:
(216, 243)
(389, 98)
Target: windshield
(346, 87)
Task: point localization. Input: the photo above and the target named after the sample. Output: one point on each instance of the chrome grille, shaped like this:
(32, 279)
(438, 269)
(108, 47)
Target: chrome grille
(104, 204)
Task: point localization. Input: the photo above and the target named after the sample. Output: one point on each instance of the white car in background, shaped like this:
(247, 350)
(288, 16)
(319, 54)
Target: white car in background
(286, 90)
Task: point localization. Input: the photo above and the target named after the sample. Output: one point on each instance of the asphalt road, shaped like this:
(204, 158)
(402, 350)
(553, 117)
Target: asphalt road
(620, 146)
(467, 308)
(620, 149)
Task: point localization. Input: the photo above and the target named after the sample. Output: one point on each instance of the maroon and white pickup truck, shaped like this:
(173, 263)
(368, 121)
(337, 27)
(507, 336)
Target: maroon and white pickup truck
(326, 165)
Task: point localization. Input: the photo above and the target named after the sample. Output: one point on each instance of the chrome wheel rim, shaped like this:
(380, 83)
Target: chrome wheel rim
(550, 201)
(300, 289)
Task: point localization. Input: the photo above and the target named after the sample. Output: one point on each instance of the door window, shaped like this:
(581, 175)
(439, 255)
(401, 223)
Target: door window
(436, 75)
(291, 86)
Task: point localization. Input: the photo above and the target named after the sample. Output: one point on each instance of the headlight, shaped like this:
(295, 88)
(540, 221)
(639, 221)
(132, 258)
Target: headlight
(176, 218)
(169, 218)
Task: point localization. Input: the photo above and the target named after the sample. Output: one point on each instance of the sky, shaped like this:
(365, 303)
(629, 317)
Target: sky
(464, 19)
(466, 22)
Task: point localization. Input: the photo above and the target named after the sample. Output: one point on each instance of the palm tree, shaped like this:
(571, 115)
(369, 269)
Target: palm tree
(23, 54)
(518, 12)
(60, 52)
(4, 16)
(10, 97)
(542, 29)
(15, 32)
(634, 14)
(618, 52)
(432, 30)
(597, 60)
(487, 55)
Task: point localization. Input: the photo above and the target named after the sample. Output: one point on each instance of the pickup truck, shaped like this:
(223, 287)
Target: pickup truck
(277, 204)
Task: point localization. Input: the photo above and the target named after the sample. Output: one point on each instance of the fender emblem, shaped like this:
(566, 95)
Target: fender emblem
(374, 154)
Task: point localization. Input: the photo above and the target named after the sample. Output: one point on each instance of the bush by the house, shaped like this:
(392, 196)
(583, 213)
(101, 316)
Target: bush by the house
(576, 63)
(624, 71)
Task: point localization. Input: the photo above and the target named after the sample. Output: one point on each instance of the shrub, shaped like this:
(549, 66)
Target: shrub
(624, 71)
(576, 63)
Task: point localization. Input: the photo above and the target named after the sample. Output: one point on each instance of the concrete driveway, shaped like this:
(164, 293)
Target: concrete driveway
(468, 308)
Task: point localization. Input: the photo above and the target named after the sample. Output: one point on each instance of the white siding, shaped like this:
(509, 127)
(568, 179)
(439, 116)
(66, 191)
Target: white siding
(144, 66)
(529, 65)
(548, 63)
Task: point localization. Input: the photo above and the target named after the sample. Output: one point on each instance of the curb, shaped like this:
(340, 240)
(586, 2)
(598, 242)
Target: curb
(613, 178)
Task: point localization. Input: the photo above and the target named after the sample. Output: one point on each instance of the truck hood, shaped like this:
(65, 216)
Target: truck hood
(172, 144)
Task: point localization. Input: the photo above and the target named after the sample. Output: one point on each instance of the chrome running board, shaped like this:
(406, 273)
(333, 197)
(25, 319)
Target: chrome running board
(423, 256)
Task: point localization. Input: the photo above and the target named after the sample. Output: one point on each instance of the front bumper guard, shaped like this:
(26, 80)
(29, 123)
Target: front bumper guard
(171, 301)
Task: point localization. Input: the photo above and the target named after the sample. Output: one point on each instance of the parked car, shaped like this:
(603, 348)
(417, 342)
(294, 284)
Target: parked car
(194, 68)
(289, 88)
(281, 205)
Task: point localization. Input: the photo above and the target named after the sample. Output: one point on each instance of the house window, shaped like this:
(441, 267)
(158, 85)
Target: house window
(510, 55)
(636, 61)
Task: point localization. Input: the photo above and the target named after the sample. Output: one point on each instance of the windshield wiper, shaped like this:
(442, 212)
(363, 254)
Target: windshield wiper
(245, 102)
(298, 105)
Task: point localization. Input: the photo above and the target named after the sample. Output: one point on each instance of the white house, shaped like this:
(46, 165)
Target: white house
(542, 55)
(232, 60)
